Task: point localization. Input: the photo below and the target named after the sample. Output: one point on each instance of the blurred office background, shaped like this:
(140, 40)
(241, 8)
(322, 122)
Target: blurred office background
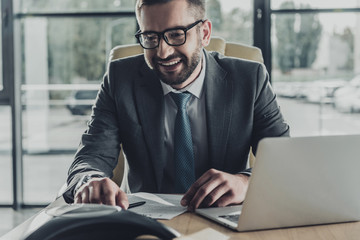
(54, 54)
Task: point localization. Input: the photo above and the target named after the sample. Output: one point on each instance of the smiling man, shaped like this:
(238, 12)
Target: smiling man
(177, 66)
(186, 118)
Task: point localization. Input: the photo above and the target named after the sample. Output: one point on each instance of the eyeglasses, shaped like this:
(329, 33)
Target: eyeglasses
(172, 36)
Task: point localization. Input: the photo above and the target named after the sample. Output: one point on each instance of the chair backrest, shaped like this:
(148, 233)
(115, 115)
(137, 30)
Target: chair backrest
(216, 44)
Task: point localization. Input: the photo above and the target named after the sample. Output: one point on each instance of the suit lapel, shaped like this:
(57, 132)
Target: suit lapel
(218, 101)
(150, 102)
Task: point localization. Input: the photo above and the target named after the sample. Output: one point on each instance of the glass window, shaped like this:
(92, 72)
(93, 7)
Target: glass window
(5, 156)
(315, 67)
(298, 4)
(74, 6)
(1, 58)
(232, 20)
(64, 60)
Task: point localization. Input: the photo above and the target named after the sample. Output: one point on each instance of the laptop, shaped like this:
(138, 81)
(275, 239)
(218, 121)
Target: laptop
(298, 181)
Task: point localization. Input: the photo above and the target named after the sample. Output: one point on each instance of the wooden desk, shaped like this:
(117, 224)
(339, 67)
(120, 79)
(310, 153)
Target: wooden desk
(189, 223)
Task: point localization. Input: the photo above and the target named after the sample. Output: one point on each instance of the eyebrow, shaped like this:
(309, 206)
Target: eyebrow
(172, 28)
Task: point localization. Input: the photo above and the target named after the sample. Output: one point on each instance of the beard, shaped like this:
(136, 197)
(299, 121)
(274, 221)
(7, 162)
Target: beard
(190, 65)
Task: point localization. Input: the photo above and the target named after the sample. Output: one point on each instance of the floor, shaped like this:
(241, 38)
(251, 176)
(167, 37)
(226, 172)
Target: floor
(9, 218)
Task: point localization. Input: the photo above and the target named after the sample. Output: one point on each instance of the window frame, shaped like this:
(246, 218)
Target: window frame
(10, 96)
(5, 26)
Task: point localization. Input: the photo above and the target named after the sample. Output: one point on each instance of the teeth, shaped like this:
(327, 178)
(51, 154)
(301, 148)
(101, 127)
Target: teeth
(169, 63)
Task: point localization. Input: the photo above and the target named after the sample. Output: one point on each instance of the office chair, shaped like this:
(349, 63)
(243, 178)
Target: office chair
(216, 44)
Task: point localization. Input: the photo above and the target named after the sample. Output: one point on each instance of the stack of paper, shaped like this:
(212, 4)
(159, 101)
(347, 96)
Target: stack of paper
(157, 206)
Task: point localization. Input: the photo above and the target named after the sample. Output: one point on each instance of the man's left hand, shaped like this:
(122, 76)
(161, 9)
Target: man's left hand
(216, 188)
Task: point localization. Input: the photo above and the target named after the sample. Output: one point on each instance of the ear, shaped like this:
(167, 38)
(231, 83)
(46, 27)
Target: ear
(206, 32)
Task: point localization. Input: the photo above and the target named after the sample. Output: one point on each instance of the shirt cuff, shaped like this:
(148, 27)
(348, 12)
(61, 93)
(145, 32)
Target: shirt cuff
(246, 172)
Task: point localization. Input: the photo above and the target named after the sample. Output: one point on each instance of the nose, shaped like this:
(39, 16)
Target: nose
(164, 50)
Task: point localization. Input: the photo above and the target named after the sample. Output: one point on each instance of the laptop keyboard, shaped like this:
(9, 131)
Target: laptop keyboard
(232, 217)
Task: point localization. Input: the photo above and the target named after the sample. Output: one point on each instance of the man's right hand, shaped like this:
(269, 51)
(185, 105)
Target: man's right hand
(101, 191)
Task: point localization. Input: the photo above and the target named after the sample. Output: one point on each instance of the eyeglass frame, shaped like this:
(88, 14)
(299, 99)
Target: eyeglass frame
(162, 34)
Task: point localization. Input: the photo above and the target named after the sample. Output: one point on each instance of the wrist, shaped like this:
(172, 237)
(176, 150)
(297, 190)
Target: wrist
(244, 176)
(244, 179)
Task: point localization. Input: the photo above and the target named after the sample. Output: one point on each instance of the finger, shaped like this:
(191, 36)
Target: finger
(108, 194)
(189, 195)
(217, 193)
(94, 193)
(122, 200)
(224, 200)
(85, 195)
(203, 192)
(77, 198)
(236, 191)
(108, 198)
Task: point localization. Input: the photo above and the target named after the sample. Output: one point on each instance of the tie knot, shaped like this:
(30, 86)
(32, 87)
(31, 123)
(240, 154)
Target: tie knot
(181, 99)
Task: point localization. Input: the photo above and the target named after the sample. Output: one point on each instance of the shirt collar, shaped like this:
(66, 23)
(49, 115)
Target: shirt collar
(194, 88)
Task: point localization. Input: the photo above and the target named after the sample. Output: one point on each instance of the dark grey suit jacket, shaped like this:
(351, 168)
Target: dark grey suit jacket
(241, 109)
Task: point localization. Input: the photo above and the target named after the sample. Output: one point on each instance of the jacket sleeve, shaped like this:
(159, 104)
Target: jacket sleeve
(268, 120)
(98, 152)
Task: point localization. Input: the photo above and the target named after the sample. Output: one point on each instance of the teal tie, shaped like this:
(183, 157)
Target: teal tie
(183, 145)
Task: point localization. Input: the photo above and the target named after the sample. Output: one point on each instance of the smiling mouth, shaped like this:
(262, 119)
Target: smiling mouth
(169, 64)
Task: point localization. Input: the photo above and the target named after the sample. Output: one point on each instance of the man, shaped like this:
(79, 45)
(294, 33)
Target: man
(230, 106)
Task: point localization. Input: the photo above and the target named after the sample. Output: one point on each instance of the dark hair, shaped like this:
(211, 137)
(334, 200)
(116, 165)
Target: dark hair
(197, 7)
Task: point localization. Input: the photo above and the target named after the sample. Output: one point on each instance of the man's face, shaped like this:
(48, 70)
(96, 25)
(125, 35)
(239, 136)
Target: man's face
(175, 65)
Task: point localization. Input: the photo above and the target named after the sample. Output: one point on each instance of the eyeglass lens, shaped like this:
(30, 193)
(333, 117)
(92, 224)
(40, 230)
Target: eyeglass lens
(172, 37)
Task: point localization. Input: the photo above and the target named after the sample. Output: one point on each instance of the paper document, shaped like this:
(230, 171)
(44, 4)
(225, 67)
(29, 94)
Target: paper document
(157, 206)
